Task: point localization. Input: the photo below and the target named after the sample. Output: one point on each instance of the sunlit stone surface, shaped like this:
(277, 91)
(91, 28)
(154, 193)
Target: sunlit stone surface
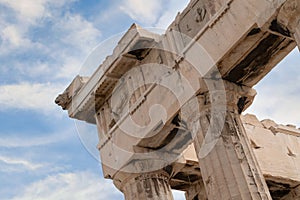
(168, 107)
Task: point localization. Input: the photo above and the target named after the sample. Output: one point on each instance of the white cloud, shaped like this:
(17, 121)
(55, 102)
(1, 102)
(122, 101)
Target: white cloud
(170, 12)
(278, 104)
(160, 13)
(70, 67)
(78, 38)
(77, 186)
(78, 32)
(22, 141)
(27, 10)
(24, 14)
(143, 11)
(279, 93)
(61, 58)
(29, 96)
(18, 162)
(13, 36)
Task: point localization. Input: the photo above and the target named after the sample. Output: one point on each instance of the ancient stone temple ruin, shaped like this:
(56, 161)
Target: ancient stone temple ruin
(168, 106)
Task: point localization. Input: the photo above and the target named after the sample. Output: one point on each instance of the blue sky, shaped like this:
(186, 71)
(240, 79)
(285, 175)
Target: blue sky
(43, 46)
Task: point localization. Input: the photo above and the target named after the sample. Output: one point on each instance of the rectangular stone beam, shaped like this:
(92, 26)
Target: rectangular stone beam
(226, 38)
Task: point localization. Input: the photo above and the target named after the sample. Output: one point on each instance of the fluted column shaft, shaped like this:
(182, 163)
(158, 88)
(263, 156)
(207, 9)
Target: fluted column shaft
(228, 166)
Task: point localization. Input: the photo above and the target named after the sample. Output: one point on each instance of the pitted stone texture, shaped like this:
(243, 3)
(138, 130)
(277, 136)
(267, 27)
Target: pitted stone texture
(277, 149)
(236, 38)
(153, 186)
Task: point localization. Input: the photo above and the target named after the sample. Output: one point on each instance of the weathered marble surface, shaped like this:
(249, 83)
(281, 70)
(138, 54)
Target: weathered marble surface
(206, 62)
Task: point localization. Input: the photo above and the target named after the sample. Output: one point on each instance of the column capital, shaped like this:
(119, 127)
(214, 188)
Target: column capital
(289, 18)
(148, 186)
(122, 178)
(289, 15)
(232, 97)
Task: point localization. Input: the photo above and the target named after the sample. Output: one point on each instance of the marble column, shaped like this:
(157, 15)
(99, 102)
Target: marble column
(228, 166)
(147, 186)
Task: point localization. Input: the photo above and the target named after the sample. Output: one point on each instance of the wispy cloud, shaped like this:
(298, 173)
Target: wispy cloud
(29, 96)
(16, 163)
(281, 106)
(170, 12)
(278, 94)
(13, 35)
(34, 141)
(143, 11)
(77, 32)
(158, 13)
(77, 37)
(59, 56)
(78, 185)
(26, 10)
(29, 11)
(19, 16)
